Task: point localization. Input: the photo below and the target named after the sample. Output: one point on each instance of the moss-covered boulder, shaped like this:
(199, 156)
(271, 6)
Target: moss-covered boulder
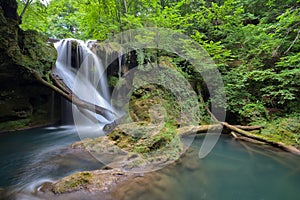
(136, 146)
(98, 180)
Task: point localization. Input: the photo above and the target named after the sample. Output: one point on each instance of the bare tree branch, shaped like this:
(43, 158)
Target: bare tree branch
(28, 2)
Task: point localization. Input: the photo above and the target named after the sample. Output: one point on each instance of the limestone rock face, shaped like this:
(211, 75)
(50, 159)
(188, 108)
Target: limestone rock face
(23, 101)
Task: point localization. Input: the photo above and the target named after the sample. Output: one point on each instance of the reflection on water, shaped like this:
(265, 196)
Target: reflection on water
(234, 170)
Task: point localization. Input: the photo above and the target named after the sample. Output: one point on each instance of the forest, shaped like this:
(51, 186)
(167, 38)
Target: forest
(149, 99)
(255, 45)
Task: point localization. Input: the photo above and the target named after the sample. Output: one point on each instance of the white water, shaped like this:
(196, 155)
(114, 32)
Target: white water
(83, 72)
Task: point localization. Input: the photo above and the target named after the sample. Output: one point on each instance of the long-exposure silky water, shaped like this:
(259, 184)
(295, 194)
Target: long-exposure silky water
(231, 171)
(82, 71)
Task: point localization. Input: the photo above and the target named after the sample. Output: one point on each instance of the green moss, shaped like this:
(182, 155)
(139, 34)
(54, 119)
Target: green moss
(136, 163)
(286, 130)
(14, 125)
(112, 81)
(146, 140)
(74, 182)
(143, 99)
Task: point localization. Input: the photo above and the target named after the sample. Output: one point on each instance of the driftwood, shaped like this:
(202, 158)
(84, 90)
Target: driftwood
(247, 139)
(237, 133)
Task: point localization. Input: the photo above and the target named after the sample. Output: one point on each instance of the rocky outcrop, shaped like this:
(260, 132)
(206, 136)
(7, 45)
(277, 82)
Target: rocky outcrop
(23, 101)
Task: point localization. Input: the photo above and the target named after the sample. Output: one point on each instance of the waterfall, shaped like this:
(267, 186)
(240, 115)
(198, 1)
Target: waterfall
(83, 73)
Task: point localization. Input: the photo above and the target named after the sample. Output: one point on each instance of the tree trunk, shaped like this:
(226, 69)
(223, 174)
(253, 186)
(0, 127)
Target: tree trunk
(67, 94)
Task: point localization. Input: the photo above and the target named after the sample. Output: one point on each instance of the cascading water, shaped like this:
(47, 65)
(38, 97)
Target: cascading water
(82, 72)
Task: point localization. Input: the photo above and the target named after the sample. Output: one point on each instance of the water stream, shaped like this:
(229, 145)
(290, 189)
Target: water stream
(29, 158)
(232, 171)
(83, 72)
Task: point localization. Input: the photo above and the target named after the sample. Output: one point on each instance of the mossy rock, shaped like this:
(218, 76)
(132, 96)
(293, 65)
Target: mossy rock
(145, 102)
(136, 146)
(74, 182)
(102, 180)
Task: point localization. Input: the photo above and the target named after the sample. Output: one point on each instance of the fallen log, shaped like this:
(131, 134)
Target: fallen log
(190, 130)
(256, 137)
(248, 128)
(79, 102)
(241, 135)
(64, 92)
(247, 139)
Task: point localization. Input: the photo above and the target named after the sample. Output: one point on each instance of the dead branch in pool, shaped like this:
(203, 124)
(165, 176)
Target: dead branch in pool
(248, 128)
(250, 136)
(256, 137)
(190, 130)
(243, 138)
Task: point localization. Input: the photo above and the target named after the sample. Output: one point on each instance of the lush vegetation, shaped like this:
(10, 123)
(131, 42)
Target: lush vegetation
(254, 43)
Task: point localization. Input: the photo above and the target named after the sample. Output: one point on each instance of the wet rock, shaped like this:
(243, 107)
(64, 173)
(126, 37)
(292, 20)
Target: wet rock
(99, 180)
(191, 164)
(47, 186)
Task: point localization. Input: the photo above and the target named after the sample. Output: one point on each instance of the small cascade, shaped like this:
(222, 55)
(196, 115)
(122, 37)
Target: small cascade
(83, 73)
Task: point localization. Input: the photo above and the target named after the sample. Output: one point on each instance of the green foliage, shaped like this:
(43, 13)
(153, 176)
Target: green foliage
(35, 16)
(254, 43)
(253, 112)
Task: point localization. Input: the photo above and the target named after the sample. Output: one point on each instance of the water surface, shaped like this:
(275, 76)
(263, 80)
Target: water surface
(233, 170)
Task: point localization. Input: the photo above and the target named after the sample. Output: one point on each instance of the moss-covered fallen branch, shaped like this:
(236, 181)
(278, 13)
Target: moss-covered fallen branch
(262, 139)
(68, 95)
